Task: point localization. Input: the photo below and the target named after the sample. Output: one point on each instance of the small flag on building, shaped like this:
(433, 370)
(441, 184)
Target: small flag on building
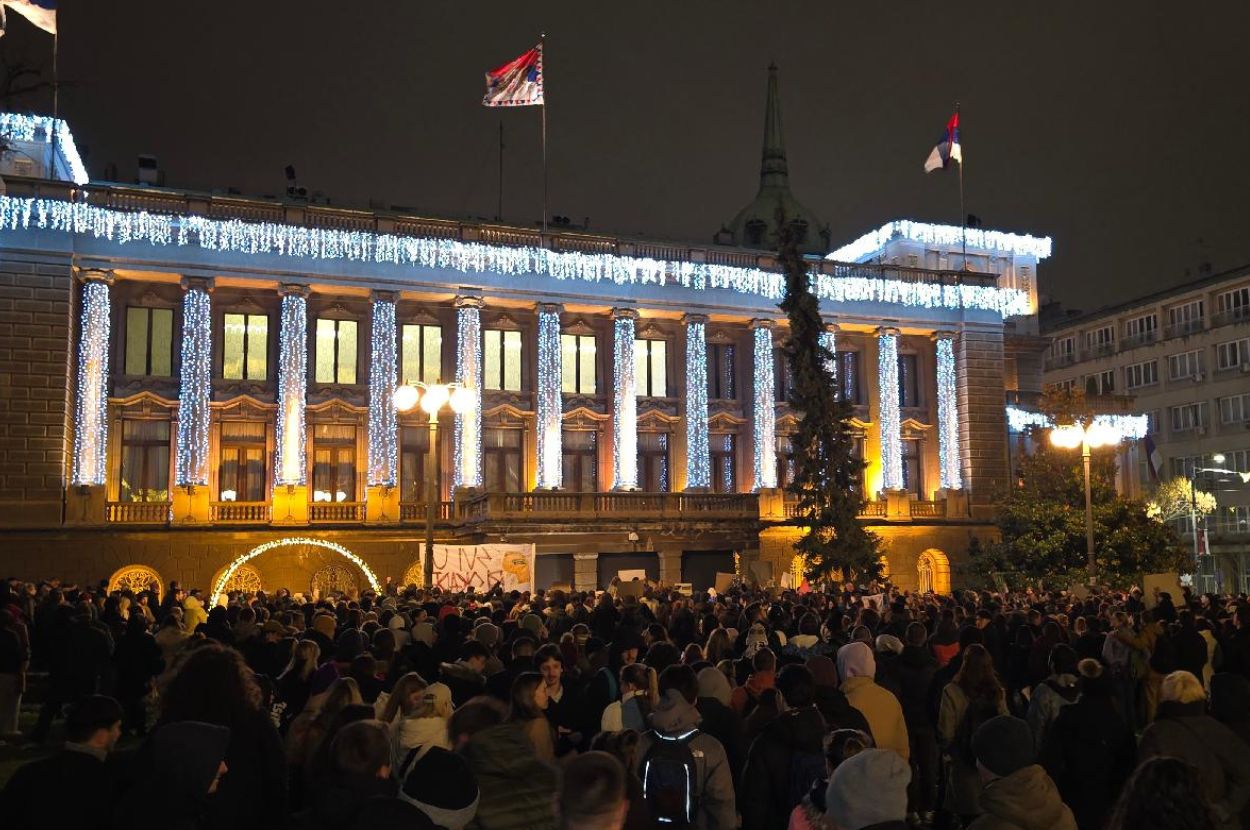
(1154, 458)
(518, 83)
(42, 13)
(947, 148)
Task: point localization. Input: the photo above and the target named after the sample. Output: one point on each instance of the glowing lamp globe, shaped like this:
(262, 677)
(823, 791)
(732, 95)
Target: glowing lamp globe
(1066, 436)
(405, 397)
(435, 396)
(461, 400)
(1102, 435)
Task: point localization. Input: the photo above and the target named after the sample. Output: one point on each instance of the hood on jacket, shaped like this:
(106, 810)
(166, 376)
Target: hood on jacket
(713, 683)
(1027, 799)
(460, 671)
(674, 715)
(856, 660)
(186, 756)
(1230, 697)
(824, 672)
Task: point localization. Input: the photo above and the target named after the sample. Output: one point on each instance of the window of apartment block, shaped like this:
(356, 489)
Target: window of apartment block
(580, 461)
(908, 381)
(241, 471)
(1063, 347)
(1233, 354)
(244, 346)
(1186, 317)
(1100, 339)
(414, 452)
(1140, 328)
(1101, 383)
(651, 368)
(1188, 416)
(724, 463)
(913, 470)
(1141, 374)
(1185, 365)
(149, 341)
(336, 351)
(502, 466)
(144, 461)
(653, 462)
(421, 354)
(1235, 304)
(848, 377)
(1152, 422)
(1065, 385)
(1235, 408)
(577, 364)
(501, 360)
(1237, 460)
(334, 462)
(720, 372)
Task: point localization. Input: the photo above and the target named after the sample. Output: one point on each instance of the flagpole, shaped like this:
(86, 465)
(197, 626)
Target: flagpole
(56, 99)
(499, 208)
(542, 56)
(963, 215)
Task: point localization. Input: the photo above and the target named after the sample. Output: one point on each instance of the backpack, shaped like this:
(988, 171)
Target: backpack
(670, 779)
(977, 713)
(806, 768)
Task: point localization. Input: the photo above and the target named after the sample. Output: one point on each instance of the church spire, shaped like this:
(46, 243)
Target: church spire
(773, 170)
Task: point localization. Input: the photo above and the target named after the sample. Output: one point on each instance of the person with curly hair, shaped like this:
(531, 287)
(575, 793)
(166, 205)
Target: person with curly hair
(1164, 794)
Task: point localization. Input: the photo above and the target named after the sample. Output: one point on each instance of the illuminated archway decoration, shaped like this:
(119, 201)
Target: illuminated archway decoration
(885, 568)
(414, 575)
(220, 585)
(137, 578)
(933, 572)
(246, 580)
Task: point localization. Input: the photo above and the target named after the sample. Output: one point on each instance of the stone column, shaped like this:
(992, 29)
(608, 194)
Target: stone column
(383, 371)
(625, 401)
(982, 416)
(764, 407)
(698, 458)
(947, 412)
(891, 425)
(91, 382)
(195, 384)
(549, 398)
(290, 501)
(468, 438)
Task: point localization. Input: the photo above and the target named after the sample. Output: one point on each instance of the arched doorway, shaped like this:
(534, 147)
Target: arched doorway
(219, 585)
(137, 578)
(933, 572)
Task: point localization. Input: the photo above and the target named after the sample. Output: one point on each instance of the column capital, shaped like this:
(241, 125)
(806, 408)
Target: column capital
(760, 323)
(624, 314)
(550, 308)
(942, 334)
(689, 319)
(465, 301)
(888, 331)
(377, 295)
(205, 284)
(833, 328)
(86, 275)
(292, 289)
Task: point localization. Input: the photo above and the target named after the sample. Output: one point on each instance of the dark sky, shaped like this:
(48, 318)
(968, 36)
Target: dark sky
(1121, 129)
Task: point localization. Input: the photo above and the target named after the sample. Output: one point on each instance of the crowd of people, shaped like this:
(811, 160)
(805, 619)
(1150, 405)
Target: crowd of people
(840, 709)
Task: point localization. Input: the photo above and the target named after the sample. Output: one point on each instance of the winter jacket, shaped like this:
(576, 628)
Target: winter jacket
(1089, 752)
(714, 788)
(915, 669)
(1048, 698)
(464, 682)
(518, 791)
(725, 725)
(747, 696)
(1182, 730)
(963, 783)
(838, 711)
(882, 711)
(1025, 800)
(766, 785)
(193, 613)
(69, 783)
(410, 733)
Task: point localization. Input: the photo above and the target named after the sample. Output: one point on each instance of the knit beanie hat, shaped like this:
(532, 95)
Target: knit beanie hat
(487, 634)
(323, 678)
(856, 660)
(442, 785)
(325, 624)
(888, 642)
(868, 788)
(350, 645)
(1003, 745)
(713, 683)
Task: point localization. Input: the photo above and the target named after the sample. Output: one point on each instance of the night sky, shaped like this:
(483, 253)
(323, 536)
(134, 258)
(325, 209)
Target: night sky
(1120, 129)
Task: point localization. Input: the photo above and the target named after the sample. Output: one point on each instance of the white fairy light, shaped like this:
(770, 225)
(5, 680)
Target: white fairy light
(550, 400)
(383, 438)
(887, 400)
(40, 128)
(194, 388)
(91, 386)
(468, 431)
(764, 413)
(948, 413)
(698, 458)
(219, 587)
(833, 283)
(829, 339)
(1131, 427)
(625, 401)
(289, 462)
(871, 243)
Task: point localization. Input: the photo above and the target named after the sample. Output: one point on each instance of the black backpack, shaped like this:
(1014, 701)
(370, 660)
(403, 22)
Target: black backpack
(670, 779)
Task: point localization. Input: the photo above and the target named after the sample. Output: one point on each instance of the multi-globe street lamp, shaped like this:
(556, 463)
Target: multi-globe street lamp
(1087, 436)
(433, 399)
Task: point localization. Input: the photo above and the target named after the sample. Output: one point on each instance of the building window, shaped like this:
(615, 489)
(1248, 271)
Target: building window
(653, 462)
(1185, 365)
(1185, 318)
(913, 472)
(720, 372)
(501, 460)
(1188, 416)
(1237, 460)
(1100, 340)
(145, 460)
(1235, 408)
(241, 474)
(651, 368)
(1065, 385)
(908, 381)
(150, 341)
(1102, 383)
(336, 351)
(501, 360)
(724, 463)
(414, 450)
(1063, 347)
(1140, 329)
(245, 344)
(848, 386)
(783, 380)
(580, 448)
(1234, 305)
(1152, 422)
(334, 462)
(785, 462)
(577, 364)
(1141, 374)
(1232, 354)
(421, 354)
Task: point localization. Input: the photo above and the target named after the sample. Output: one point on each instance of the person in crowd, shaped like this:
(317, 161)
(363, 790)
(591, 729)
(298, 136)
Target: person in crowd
(564, 700)
(639, 693)
(295, 681)
(14, 662)
(623, 746)
(1017, 793)
(880, 772)
(529, 711)
(465, 677)
(832, 703)
(1058, 690)
(517, 787)
(184, 767)
(857, 668)
(973, 697)
(1164, 794)
(915, 669)
(308, 730)
(717, 718)
(593, 793)
(1184, 730)
(1230, 703)
(138, 662)
(763, 675)
(80, 653)
(441, 784)
(425, 723)
(811, 812)
(359, 768)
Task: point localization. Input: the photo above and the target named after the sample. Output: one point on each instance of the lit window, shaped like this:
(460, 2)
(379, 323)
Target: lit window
(577, 364)
(650, 368)
(501, 460)
(336, 351)
(241, 474)
(653, 462)
(244, 342)
(414, 449)
(421, 354)
(150, 341)
(913, 472)
(724, 463)
(581, 460)
(334, 463)
(144, 461)
(501, 360)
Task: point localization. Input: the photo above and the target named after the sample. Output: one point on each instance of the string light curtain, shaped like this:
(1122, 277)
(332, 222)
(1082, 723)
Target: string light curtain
(91, 383)
(625, 401)
(764, 426)
(887, 396)
(468, 432)
(829, 339)
(383, 369)
(195, 385)
(289, 459)
(948, 412)
(549, 398)
(698, 457)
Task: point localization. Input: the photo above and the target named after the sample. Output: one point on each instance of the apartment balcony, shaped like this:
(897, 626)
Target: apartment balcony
(1183, 328)
(1060, 361)
(336, 512)
(905, 509)
(1100, 350)
(1231, 317)
(1136, 340)
(137, 512)
(240, 512)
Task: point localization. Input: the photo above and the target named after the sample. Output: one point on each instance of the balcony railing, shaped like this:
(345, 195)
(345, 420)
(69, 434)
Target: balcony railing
(1099, 350)
(336, 512)
(928, 509)
(1060, 361)
(1183, 328)
(414, 511)
(873, 510)
(588, 506)
(240, 512)
(1233, 315)
(137, 512)
(1132, 341)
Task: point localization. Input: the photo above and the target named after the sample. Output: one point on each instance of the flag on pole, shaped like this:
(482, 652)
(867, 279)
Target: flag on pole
(518, 83)
(42, 13)
(1154, 458)
(947, 147)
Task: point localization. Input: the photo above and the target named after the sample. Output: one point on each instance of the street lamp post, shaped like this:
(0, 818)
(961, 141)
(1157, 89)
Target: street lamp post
(433, 398)
(1086, 436)
(1218, 458)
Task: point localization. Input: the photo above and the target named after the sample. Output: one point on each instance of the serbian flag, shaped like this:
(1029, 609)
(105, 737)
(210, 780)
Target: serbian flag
(42, 13)
(1154, 458)
(518, 83)
(947, 148)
